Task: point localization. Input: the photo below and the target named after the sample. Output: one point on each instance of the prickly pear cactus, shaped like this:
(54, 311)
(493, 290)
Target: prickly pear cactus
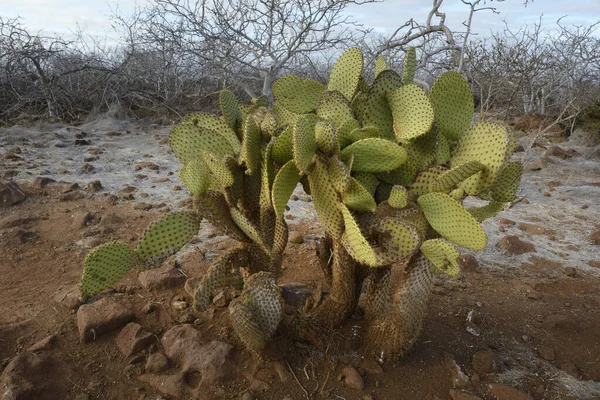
(389, 166)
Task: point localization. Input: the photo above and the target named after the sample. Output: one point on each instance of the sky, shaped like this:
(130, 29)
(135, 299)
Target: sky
(61, 16)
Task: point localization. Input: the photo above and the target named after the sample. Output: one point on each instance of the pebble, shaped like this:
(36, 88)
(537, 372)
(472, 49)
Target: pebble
(547, 353)
(296, 237)
(352, 378)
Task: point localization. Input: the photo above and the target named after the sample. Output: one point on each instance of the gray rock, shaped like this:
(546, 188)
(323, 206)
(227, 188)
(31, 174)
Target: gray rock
(101, 317)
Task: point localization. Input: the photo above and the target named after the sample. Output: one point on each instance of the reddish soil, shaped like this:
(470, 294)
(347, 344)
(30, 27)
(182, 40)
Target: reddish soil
(515, 309)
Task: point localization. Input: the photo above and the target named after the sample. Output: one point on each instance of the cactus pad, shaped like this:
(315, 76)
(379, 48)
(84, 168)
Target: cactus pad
(452, 178)
(354, 242)
(357, 198)
(488, 211)
(411, 111)
(507, 182)
(283, 149)
(326, 200)
(442, 150)
(166, 236)
(304, 142)
(230, 109)
(188, 142)
(346, 73)
(422, 150)
(285, 182)
(377, 111)
(380, 65)
(334, 108)
(296, 94)
(284, 116)
(487, 143)
(441, 254)
(403, 175)
(326, 138)
(452, 221)
(214, 124)
(104, 266)
(452, 103)
(222, 174)
(399, 241)
(367, 180)
(374, 155)
(410, 66)
(398, 197)
(194, 176)
(251, 146)
(339, 174)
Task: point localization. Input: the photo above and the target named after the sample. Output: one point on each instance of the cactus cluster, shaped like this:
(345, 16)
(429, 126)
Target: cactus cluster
(388, 166)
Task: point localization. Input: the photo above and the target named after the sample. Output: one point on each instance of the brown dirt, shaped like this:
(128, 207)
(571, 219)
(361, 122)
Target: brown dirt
(46, 249)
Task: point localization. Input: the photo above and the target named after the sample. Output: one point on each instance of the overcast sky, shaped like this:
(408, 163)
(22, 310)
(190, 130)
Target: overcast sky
(62, 15)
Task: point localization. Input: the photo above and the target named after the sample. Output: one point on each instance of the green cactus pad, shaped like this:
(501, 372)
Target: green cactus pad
(225, 272)
(346, 73)
(398, 197)
(425, 182)
(248, 228)
(452, 221)
(452, 103)
(166, 236)
(104, 266)
(411, 111)
(286, 180)
(188, 142)
(441, 254)
(458, 194)
(333, 107)
(213, 206)
(230, 109)
(326, 138)
(488, 211)
(363, 86)
(380, 65)
(357, 198)
(339, 174)
(354, 242)
(507, 182)
(344, 132)
(269, 124)
(326, 200)
(283, 149)
(363, 133)
(487, 143)
(194, 176)
(250, 153)
(255, 315)
(298, 95)
(442, 150)
(304, 142)
(452, 178)
(377, 111)
(222, 175)
(367, 180)
(422, 150)
(358, 104)
(410, 66)
(382, 193)
(374, 155)
(284, 116)
(399, 241)
(403, 175)
(214, 124)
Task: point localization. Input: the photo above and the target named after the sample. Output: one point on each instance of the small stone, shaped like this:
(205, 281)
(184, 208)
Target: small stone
(67, 296)
(161, 278)
(10, 194)
(506, 221)
(556, 151)
(101, 317)
(157, 363)
(459, 378)
(460, 395)
(486, 361)
(111, 199)
(71, 187)
(142, 206)
(547, 353)
(294, 197)
(296, 237)
(531, 228)
(160, 180)
(71, 196)
(512, 245)
(594, 263)
(179, 305)
(128, 197)
(467, 262)
(87, 168)
(570, 271)
(43, 344)
(547, 194)
(220, 300)
(43, 181)
(82, 142)
(533, 294)
(133, 339)
(127, 189)
(147, 165)
(504, 392)
(95, 151)
(525, 201)
(594, 237)
(353, 378)
(112, 133)
(93, 186)
(371, 366)
(177, 188)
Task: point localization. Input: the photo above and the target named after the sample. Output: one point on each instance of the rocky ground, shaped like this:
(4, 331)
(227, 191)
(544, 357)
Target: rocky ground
(520, 322)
